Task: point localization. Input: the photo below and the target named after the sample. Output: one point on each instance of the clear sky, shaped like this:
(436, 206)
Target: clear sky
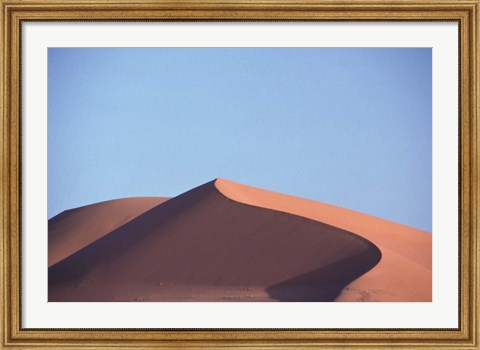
(350, 127)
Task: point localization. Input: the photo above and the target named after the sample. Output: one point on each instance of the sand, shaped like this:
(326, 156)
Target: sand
(73, 229)
(203, 240)
(224, 241)
(405, 270)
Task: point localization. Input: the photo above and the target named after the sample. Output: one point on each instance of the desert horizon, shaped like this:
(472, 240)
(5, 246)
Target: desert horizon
(225, 241)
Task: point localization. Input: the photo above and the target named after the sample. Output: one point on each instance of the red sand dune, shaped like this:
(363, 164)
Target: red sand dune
(224, 241)
(405, 270)
(73, 229)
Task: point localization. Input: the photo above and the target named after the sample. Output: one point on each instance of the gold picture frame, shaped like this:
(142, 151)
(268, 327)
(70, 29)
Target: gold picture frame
(464, 12)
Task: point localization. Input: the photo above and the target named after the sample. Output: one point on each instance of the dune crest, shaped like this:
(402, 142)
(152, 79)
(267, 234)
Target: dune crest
(405, 270)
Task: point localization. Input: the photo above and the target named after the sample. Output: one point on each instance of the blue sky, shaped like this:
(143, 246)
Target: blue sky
(350, 127)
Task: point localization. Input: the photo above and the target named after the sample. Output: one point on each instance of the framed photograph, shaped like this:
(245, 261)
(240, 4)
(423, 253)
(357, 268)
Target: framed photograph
(248, 174)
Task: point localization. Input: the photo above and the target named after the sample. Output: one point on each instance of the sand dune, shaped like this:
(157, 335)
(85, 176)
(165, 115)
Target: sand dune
(227, 250)
(403, 274)
(71, 230)
(224, 241)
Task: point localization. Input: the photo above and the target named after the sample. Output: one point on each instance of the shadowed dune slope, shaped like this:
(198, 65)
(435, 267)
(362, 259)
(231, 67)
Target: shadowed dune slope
(204, 246)
(405, 270)
(72, 230)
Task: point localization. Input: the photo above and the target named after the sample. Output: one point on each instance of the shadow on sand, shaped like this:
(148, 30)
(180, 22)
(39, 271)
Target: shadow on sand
(326, 283)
